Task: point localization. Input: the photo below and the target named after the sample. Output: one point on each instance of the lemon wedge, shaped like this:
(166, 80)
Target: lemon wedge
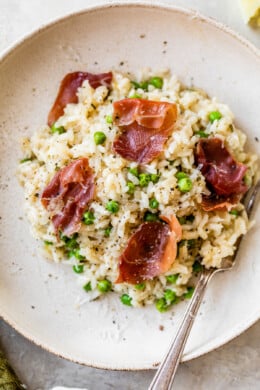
(251, 11)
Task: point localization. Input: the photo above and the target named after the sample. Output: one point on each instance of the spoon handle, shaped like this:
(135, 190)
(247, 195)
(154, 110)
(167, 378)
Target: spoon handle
(164, 376)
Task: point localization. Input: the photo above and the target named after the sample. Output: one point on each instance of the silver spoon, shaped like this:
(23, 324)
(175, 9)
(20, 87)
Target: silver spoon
(165, 374)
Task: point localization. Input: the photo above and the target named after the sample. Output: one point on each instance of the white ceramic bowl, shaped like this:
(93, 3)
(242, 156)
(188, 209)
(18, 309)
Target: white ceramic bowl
(38, 297)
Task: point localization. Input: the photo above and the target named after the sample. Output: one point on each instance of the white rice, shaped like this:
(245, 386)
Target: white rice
(215, 232)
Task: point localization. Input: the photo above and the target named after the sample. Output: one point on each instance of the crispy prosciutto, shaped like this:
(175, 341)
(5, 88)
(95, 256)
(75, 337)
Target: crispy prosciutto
(145, 126)
(150, 251)
(68, 89)
(223, 174)
(216, 202)
(68, 194)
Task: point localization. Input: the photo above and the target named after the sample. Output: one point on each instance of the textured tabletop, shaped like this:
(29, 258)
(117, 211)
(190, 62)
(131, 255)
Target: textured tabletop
(234, 366)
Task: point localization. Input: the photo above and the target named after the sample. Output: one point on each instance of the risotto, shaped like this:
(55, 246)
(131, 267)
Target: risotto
(130, 193)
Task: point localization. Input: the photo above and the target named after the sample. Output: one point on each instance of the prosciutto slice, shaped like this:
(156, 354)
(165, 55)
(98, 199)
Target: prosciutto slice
(145, 126)
(221, 203)
(68, 90)
(68, 194)
(150, 251)
(223, 174)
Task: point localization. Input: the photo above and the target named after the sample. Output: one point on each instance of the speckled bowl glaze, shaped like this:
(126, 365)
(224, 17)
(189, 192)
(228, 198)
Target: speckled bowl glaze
(38, 297)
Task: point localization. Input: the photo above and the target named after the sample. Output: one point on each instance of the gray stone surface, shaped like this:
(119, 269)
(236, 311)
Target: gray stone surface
(234, 366)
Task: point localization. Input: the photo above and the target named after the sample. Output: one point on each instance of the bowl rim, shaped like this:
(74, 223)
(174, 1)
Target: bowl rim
(193, 14)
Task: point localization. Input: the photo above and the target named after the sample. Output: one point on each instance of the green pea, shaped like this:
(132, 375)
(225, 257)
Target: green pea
(112, 206)
(99, 137)
(135, 96)
(48, 242)
(135, 84)
(71, 253)
(161, 305)
(72, 243)
(66, 238)
(26, 159)
(144, 85)
(88, 218)
(150, 217)
(109, 119)
(169, 296)
(79, 268)
(59, 130)
(144, 179)
(181, 175)
(189, 293)
(234, 212)
(197, 266)
(76, 253)
(154, 177)
(87, 287)
(172, 278)
(201, 134)
(131, 187)
(140, 286)
(157, 82)
(107, 231)
(185, 184)
(134, 171)
(126, 299)
(153, 203)
(214, 115)
(104, 285)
